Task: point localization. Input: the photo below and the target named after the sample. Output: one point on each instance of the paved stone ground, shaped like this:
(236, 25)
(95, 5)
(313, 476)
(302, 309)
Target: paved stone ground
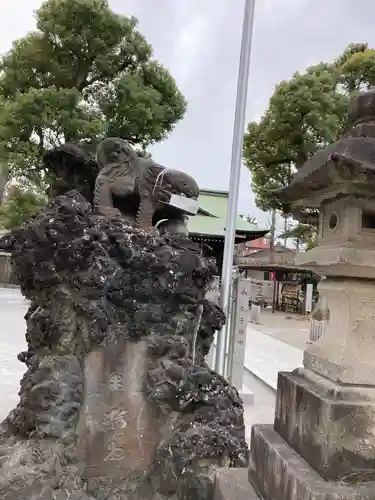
(12, 341)
(276, 344)
(290, 328)
(266, 356)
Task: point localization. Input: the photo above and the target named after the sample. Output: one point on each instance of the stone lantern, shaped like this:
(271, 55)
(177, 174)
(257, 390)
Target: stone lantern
(322, 444)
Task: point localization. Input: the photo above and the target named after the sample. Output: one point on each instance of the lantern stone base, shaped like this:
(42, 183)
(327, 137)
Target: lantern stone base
(346, 351)
(322, 445)
(278, 472)
(233, 484)
(332, 426)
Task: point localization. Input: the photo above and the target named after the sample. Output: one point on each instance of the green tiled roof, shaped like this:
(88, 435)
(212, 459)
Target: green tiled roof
(211, 218)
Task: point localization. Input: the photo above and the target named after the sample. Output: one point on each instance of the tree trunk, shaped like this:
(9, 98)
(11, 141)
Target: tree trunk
(273, 229)
(4, 178)
(301, 159)
(285, 231)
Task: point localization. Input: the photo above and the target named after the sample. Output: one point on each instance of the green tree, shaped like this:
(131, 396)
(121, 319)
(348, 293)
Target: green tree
(301, 234)
(21, 204)
(269, 169)
(304, 114)
(356, 68)
(85, 73)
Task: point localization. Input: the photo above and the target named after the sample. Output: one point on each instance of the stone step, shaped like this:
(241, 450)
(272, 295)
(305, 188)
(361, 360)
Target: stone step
(280, 473)
(233, 484)
(247, 396)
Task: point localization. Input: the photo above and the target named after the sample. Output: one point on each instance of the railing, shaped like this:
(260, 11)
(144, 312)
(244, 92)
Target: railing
(316, 329)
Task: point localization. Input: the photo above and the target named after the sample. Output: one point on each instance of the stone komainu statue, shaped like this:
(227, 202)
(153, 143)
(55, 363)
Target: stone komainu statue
(124, 175)
(117, 401)
(125, 183)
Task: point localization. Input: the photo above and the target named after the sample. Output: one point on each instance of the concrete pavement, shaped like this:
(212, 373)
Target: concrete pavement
(265, 356)
(262, 411)
(294, 329)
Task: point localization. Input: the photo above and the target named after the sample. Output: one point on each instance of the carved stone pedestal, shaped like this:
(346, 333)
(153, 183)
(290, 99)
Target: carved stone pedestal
(322, 444)
(278, 472)
(117, 402)
(118, 432)
(346, 352)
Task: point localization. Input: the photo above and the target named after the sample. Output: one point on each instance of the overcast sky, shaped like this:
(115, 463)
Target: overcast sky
(199, 42)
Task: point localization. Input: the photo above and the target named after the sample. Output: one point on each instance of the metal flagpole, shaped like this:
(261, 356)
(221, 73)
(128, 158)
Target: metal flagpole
(235, 173)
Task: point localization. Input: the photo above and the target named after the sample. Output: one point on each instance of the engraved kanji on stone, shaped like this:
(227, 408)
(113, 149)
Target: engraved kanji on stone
(241, 331)
(116, 382)
(242, 308)
(115, 418)
(114, 453)
(242, 320)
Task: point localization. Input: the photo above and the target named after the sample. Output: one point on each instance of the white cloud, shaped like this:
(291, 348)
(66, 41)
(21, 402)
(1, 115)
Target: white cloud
(16, 20)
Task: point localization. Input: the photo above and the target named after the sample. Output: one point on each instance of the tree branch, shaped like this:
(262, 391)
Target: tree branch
(96, 78)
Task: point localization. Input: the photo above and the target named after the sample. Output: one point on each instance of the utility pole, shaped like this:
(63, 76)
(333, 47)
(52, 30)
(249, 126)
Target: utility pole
(272, 252)
(235, 174)
(273, 229)
(285, 231)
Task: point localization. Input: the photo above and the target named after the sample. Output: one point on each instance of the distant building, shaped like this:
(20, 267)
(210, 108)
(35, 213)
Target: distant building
(249, 247)
(260, 264)
(208, 226)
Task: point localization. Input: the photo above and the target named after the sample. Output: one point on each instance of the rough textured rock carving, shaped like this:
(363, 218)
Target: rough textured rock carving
(112, 406)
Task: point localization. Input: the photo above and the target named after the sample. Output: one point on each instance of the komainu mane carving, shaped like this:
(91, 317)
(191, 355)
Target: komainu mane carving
(136, 182)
